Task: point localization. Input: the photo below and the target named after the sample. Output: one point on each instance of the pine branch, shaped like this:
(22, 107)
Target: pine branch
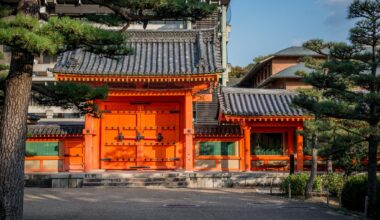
(147, 10)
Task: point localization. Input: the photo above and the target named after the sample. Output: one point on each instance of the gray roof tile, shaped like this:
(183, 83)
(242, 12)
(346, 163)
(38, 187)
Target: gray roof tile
(156, 53)
(56, 130)
(297, 51)
(217, 130)
(257, 102)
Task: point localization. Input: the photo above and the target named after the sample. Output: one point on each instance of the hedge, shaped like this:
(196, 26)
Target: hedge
(298, 184)
(354, 192)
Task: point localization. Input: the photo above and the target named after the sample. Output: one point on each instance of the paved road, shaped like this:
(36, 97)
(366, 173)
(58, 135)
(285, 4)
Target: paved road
(127, 203)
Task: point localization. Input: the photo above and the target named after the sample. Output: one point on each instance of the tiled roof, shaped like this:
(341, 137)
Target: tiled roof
(257, 102)
(218, 130)
(156, 53)
(290, 72)
(296, 51)
(54, 130)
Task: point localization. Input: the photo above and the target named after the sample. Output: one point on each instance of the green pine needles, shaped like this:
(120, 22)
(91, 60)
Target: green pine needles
(348, 83)
(26, 33)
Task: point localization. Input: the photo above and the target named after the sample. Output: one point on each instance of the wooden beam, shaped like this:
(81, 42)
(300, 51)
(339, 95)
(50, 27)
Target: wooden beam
(188, 132)
(299, 145)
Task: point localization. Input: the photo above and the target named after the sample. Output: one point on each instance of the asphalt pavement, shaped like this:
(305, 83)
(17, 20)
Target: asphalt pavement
(141, 203)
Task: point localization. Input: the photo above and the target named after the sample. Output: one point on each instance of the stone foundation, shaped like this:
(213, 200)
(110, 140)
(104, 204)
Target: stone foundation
(202, 180)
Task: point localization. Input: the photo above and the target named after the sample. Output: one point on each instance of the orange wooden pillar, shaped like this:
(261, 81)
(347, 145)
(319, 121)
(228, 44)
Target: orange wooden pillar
(299, 149)
(188, 132)
(290, 142)
(242, 154)
(247, 147)
(88, 142)
(95, 163)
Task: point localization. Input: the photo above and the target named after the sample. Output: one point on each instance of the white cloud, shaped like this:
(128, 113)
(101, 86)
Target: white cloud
(336, 12)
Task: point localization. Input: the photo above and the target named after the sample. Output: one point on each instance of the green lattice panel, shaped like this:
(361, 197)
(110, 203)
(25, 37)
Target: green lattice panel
(42, 149)
(217, 148)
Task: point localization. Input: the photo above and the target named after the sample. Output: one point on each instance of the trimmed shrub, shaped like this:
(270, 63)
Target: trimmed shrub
(298, 184)
(354, 192)
(334, 182)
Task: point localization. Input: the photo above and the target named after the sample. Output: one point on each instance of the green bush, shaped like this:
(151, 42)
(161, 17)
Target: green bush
(298, 184)
(333, 182)
(354, 192)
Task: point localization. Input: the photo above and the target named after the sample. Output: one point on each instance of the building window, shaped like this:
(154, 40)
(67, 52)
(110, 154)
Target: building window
(217, 149)
(267, 144)
(41, 149)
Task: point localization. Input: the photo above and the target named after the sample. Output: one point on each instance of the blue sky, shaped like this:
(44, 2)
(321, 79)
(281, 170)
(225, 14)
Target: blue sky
(261, 27)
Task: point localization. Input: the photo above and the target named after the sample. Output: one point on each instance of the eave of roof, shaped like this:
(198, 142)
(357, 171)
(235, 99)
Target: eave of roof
(258, 103)
(54, 130)
(253, 70)
(218, 131)
(288, 73)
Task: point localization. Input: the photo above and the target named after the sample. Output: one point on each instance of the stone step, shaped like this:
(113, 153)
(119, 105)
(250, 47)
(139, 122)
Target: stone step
(134, 182)
(162, 184)
(173, 181)
(135, 175)
(95, 180)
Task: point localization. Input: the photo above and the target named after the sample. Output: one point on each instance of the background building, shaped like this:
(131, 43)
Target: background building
(279, 71)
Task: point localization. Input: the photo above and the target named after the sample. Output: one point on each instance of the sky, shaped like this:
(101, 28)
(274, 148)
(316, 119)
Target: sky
(262, 27)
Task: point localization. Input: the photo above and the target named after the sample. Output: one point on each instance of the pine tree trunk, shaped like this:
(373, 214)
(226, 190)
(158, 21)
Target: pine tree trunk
(13, 135)
(18, 85)
(314, 168)
(372, 168)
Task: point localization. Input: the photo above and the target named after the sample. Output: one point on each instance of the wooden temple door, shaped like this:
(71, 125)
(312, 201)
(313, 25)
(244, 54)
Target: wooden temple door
(73, 154)
(146, 136)
(159, 127)
(118, 139)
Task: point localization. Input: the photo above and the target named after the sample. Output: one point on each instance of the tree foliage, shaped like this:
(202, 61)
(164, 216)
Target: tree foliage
(26, 33)
(237, 71)
(349, 81)
(70, 95)
(341, 141)
(143, 11)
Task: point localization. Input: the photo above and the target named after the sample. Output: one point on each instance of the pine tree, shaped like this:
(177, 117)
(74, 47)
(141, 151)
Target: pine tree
(340, 142)
(346, 146)
(27, 33)
(350, 82)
